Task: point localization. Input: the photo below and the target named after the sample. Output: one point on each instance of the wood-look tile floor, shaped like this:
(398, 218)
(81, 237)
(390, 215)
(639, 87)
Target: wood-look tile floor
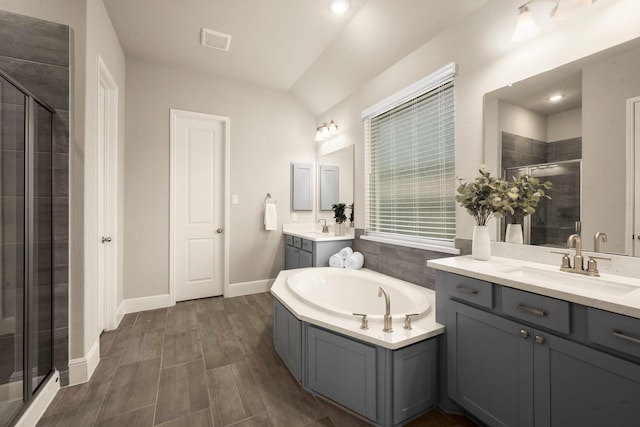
(207, 362)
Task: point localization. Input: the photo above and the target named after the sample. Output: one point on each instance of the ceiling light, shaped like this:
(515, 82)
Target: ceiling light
(556, 98)
(526, 27)
(339, 7)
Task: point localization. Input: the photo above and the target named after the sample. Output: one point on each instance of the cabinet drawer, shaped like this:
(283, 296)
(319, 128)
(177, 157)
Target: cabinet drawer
(471, 290)
(307, 245)
(615, 331)
(539, 310)
(297, 242)
(289, 239)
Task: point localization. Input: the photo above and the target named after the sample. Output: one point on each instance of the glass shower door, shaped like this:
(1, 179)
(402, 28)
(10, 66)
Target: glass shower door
(12, 242)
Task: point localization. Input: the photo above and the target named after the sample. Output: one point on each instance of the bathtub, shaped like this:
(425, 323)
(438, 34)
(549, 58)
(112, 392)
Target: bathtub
(328, 297)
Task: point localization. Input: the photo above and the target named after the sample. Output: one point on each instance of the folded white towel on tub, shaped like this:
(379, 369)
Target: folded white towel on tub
(336, 260)
(345, 252)
(355, 261)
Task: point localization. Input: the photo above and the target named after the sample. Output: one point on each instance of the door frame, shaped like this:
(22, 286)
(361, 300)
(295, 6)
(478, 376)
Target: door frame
(107, 296)
(226, 121)
(631, 190)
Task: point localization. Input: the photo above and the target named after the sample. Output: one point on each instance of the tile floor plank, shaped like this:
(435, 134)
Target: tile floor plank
(139, 418)
(182, 391)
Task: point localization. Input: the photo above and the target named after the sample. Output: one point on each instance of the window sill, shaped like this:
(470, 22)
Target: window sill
(409, 244)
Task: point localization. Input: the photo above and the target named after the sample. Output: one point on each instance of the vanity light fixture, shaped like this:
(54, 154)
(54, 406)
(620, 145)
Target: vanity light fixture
(526, 26)
(327, 130)
(339, 7)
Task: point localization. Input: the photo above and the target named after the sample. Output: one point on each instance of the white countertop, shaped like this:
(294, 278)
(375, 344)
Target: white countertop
(589, 292)
(423, 328)
(314, 232)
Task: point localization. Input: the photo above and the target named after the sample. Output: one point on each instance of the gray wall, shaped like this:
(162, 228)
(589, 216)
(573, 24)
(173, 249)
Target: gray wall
(269, 129)
(36, 54)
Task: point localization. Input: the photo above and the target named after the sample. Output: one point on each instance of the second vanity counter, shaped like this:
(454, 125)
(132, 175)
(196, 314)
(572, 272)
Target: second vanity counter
(314, 232)
(616, 294)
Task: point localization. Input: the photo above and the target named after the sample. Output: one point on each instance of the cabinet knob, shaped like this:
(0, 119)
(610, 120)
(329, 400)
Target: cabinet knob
(539, 339)
(524, 333)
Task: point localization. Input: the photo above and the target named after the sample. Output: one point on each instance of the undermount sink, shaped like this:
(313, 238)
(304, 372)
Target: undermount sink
(571, 280)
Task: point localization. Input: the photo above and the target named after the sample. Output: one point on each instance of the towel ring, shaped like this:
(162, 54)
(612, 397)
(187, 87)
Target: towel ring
(268, 199)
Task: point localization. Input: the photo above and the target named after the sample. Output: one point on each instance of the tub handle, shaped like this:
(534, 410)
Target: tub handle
(407, 320)
(365, 321)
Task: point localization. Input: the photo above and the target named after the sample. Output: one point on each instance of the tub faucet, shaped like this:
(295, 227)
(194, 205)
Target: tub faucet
(325, 227)
(387, 315)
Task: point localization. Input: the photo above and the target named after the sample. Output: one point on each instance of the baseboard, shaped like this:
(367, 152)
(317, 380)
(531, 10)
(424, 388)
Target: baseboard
(248, 288)
(133, 305)
(40, 402)
(81, 368)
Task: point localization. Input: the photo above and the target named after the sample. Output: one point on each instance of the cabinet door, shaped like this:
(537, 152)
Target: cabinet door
(305, 259)
(342, 370)
(579, 386)
(287, 338)
(490, 361)
(291, 258)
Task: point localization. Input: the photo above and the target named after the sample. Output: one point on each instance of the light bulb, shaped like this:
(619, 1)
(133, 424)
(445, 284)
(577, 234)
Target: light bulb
(339, 7)
(333, 128)
(526, 27)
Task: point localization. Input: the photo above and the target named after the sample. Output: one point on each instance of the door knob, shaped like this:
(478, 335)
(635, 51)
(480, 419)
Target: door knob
(219, 230)
(106, 239)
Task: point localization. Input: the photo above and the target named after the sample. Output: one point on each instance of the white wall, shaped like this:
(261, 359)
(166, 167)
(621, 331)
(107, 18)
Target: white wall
(565, 125)
(604, 145)
(269, 129)
(101, 41)
(520, 121)
(486, 61)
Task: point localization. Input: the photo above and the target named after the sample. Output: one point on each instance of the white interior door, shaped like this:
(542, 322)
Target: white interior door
(198, 142)
(106, 194)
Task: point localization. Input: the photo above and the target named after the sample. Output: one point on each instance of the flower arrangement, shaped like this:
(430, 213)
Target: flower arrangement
(523, 195)
(484, 197)
(338, 212)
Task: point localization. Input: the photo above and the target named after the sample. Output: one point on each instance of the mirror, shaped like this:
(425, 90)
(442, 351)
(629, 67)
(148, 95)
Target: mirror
(338, 185)
(301, 187)
(580, 143)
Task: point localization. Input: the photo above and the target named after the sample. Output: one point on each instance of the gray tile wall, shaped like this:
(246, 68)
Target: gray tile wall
(409, 264)
(520, 151)
(567, 149)
(36, 53)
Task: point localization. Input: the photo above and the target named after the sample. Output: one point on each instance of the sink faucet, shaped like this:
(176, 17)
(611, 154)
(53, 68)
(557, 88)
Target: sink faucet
(387, 316)
(325, 227)
(577, 259)
(596, 240)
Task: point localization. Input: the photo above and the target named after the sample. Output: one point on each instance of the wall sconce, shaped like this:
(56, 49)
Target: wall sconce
(327, 130)
(526, 26)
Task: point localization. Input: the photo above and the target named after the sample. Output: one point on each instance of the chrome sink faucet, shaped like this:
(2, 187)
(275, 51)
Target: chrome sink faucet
(325, 227)
(387, 316)
(578, 266)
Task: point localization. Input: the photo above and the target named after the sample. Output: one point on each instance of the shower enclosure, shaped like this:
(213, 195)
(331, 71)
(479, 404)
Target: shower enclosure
(26, 238)
(556, 218)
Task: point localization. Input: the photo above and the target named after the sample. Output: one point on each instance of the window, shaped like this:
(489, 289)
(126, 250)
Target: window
(410, 165)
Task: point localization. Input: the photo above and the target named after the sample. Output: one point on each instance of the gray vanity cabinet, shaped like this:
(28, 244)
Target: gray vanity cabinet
(489, 366)
(522, 359)
(287, 339)
(302, 253)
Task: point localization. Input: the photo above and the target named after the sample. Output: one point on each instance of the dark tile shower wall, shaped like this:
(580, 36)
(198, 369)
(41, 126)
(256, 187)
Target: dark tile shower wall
(518, 151)
(409, 264)
(36, 54)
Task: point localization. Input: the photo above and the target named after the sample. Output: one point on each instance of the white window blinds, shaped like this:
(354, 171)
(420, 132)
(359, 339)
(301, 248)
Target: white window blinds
(410, 161)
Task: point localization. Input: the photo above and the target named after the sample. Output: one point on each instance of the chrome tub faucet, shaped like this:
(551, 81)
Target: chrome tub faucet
(387, 316)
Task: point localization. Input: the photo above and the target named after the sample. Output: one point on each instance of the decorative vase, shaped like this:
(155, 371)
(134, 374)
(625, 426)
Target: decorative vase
(339, 229)
(514, 234)
(481, 244)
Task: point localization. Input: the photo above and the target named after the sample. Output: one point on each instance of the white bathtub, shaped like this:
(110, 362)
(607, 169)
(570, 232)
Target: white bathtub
(328, 297)
(343, 292)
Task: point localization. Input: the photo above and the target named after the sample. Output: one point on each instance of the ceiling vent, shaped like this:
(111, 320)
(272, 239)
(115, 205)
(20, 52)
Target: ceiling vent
(215, 40)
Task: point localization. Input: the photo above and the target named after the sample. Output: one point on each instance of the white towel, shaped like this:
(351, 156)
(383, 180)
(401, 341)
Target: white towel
(355, 261)
(345, 252)
(336, 261)
(270, 216)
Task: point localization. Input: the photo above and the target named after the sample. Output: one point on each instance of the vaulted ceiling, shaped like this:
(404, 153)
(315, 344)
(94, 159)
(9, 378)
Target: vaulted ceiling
(291, 45)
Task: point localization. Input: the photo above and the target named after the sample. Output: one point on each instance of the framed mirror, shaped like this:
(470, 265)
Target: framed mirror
(342, 161)
(574, 126)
